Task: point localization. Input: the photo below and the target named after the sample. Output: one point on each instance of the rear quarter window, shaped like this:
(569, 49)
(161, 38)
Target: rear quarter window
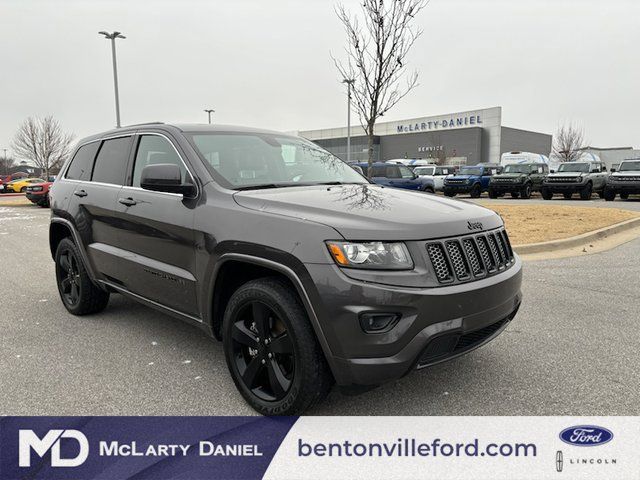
(82, 162)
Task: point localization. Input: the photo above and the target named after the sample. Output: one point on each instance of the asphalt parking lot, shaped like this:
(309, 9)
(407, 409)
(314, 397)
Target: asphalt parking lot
(572, 349)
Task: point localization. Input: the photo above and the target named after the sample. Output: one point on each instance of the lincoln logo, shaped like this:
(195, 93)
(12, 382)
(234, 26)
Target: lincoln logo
(474, 225)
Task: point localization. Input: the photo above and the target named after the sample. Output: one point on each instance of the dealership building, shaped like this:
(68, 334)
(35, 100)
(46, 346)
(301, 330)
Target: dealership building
(464, 138)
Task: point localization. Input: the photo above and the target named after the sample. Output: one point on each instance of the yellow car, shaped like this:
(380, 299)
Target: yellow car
(21, 184)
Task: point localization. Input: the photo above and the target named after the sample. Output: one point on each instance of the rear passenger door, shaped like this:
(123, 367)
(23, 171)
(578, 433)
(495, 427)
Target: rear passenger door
(95, 177)
(156, 257)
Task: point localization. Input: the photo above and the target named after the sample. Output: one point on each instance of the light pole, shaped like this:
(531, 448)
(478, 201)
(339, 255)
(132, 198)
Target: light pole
(349, 82)
(6, 164)
(112, 37)
(209, 111)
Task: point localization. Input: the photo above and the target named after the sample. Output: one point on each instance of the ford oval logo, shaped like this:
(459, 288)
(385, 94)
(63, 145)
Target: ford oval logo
(585, 435)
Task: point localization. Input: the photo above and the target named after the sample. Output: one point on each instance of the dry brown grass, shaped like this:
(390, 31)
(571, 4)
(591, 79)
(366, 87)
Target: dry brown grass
(541, 223)
(11, 201)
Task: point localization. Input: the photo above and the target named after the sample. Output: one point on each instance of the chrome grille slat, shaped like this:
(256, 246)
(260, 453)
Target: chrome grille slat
(471, 256)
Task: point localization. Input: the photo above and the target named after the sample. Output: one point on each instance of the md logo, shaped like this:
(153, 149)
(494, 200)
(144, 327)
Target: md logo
(28, 441)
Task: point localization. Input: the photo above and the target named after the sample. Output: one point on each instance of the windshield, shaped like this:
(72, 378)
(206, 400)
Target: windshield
(630, 166)
(471, 171)
(520, 168)
(424, 170)
(574, 167)
(244, 160)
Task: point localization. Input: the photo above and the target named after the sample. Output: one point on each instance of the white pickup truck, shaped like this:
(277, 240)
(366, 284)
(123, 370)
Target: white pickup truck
(435, 173)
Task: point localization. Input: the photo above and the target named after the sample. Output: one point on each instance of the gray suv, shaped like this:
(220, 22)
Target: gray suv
(583, 178)
(307, 272)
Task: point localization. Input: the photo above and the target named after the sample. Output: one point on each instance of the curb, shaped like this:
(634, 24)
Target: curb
(578, 240)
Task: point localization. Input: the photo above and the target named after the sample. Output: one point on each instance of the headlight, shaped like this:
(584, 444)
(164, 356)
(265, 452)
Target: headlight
(579, 178)
(371, 255)
(468, 180)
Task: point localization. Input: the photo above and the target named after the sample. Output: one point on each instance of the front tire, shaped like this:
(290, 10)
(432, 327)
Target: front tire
(610, 195)
(547, 194)
(476, 191)
(271, 350)
(78, 293)
(567, 195)
(585, 193)
(449, 194)
(515, 194)
(525, 193)
(493, 193)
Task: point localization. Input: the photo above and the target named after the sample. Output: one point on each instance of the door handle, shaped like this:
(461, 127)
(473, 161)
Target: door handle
(127, 201)
(80, 193)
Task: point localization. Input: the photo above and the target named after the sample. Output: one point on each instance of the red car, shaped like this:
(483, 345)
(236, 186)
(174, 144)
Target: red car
(38, 193)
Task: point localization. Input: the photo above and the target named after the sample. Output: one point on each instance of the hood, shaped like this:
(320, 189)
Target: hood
(372, 212)
(461, 176)
(509, 175)
(628, 173)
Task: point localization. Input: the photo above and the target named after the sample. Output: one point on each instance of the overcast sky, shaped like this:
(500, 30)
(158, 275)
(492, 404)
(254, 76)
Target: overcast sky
(266, 63)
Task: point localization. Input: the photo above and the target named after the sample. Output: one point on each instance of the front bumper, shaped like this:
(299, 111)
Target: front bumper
(564, 187)
(622, 188)
(506, 187)
(36, 197)
(463, 188)
(436, 324)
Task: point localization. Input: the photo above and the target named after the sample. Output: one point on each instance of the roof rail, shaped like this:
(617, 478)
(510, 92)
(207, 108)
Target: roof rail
(144, 123)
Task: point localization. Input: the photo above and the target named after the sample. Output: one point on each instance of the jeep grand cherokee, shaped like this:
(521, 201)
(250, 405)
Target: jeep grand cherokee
(308, 273)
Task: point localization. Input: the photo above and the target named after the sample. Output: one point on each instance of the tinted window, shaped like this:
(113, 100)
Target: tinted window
(379, 171)
(153, 150)
(405, 172)
(111, 163)
(80, 168)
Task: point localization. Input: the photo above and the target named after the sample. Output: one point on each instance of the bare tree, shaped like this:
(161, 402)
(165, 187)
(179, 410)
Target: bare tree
(376, 57)
(6, 162)
(43, 142)
(567, 143)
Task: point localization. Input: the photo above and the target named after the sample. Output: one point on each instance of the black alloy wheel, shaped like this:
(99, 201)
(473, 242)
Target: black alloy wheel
(272, 353)
(263, 351)
(526, 191)
(68, 274)
(79, 294)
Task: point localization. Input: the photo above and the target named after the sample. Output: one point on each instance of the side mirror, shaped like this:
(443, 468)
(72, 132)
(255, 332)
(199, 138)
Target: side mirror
(552, 171)
(613, 170)
(165, 177)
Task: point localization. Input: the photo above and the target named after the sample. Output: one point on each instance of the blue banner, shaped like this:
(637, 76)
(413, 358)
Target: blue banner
(139, 447)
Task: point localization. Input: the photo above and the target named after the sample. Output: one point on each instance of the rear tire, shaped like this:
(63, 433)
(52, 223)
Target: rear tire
(78, 293)
(271, 349)
(546, 194)
(476, 191)
(585, 193)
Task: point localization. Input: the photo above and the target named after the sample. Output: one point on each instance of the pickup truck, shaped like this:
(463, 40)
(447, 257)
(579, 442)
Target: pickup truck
(472, 180)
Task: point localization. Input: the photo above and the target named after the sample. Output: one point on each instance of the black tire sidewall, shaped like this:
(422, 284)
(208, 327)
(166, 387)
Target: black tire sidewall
(293, 315)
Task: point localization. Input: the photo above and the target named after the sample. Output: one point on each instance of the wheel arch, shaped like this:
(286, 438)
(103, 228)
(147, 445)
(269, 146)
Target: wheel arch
(244, 268)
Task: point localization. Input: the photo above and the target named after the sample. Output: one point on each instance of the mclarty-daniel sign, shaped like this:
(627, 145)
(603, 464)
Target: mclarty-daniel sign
(451, 122)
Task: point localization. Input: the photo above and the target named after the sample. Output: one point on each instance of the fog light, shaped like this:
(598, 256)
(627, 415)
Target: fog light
(378, 322)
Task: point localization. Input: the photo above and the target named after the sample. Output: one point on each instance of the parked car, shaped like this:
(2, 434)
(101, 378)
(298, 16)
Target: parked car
(624, 182)
(38, 193)
(411, 162)
(20, 185)
(518, 179)
(436, 173)
(308, 281)
(397, 176)
(470, 179)
(4, 179)
(583, 178)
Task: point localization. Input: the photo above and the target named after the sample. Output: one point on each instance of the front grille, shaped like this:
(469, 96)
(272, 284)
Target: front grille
(439, 262)
(626, 179)
(563, 179)
(451, 181)
(470, 257)
(504, 180)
